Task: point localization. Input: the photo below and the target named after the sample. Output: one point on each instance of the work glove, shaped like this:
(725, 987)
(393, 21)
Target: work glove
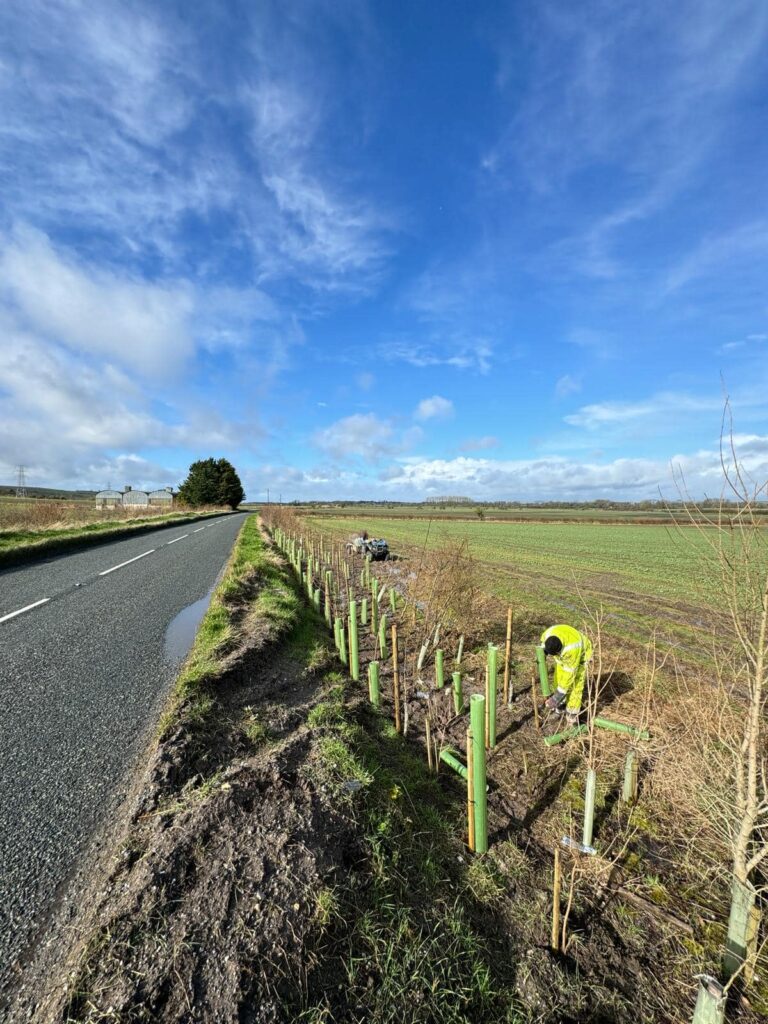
(554, 701)
(572, 718)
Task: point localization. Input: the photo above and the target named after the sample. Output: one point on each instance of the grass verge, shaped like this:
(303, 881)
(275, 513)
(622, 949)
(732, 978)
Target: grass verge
(402, 939)
(17, 546)
(255, 597)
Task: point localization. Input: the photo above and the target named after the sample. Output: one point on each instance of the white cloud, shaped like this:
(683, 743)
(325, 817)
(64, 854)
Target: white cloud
(434, 408)
(144, 326)
(546, 479)
(362, 435)
(365, 381)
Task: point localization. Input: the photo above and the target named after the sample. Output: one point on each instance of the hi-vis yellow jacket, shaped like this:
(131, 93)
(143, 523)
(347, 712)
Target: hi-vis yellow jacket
(576, 652)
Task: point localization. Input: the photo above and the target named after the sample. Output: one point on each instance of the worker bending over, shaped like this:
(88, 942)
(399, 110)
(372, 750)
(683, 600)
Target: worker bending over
(572, 651)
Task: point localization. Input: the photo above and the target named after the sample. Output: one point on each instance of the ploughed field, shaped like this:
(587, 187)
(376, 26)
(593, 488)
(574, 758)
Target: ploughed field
(644, 576)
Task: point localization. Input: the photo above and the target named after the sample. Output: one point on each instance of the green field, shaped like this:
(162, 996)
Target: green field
(605, 512)
(645, 577)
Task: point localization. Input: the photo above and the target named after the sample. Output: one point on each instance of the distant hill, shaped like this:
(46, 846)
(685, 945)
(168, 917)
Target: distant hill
(47, 492)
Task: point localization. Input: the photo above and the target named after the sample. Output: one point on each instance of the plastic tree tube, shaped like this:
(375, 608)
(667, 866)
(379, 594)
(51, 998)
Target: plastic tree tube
(449, 757)
(458, 695)
(354, 651)
(541, 658)
(710, 1004)
(439, 671)
(477, 723)
(567, 734)
(373, 684)
(460, 651)
(383, 636)
(629, 790)
(631, 730)
(342, 642)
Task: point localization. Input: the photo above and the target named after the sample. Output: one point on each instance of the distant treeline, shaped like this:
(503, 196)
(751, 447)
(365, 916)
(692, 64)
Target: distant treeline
(600, 504)
(57, 493)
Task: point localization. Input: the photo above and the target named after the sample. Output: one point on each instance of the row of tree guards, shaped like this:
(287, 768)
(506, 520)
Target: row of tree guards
(331, 587)
(336, 597)
(344, 614)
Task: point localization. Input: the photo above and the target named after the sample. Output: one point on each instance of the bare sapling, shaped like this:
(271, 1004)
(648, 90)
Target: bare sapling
(733, 740)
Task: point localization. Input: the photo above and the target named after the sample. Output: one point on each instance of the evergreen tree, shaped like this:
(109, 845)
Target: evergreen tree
(212, 482)
(230, 489)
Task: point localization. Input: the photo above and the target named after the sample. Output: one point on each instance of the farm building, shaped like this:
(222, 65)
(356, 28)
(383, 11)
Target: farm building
(135, 498)
(109, 499)
(163, 496)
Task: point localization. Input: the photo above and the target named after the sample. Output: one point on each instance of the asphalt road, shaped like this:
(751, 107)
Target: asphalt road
(83, 673)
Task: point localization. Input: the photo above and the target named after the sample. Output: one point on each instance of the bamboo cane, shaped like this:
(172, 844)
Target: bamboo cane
(535, 700)
(428, 733)
(555, 936)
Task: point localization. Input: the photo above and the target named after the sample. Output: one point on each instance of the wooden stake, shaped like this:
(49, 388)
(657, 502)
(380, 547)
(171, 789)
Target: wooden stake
(396, 678)
(564, 935)
(428, 732)
(470, 795)
(535, 704)
(507, 653)
(555, 937)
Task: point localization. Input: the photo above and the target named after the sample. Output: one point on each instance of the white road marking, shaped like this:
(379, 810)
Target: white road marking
(26, 608)
(178, 538)
(198, 530)
(107, 571)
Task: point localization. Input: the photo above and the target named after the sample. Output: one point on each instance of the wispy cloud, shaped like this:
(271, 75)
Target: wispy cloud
(566, 385)
(642, 92)
(730, 249)
(660, 409)
(478, 444)
(470, 355)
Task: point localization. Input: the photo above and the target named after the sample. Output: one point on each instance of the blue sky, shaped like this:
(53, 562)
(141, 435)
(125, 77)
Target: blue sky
(384, 250)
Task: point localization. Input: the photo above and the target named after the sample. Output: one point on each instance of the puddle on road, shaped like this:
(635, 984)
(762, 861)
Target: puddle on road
(181, 630)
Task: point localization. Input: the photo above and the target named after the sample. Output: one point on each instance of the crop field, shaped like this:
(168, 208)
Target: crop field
(645, 577)
(651, 512)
